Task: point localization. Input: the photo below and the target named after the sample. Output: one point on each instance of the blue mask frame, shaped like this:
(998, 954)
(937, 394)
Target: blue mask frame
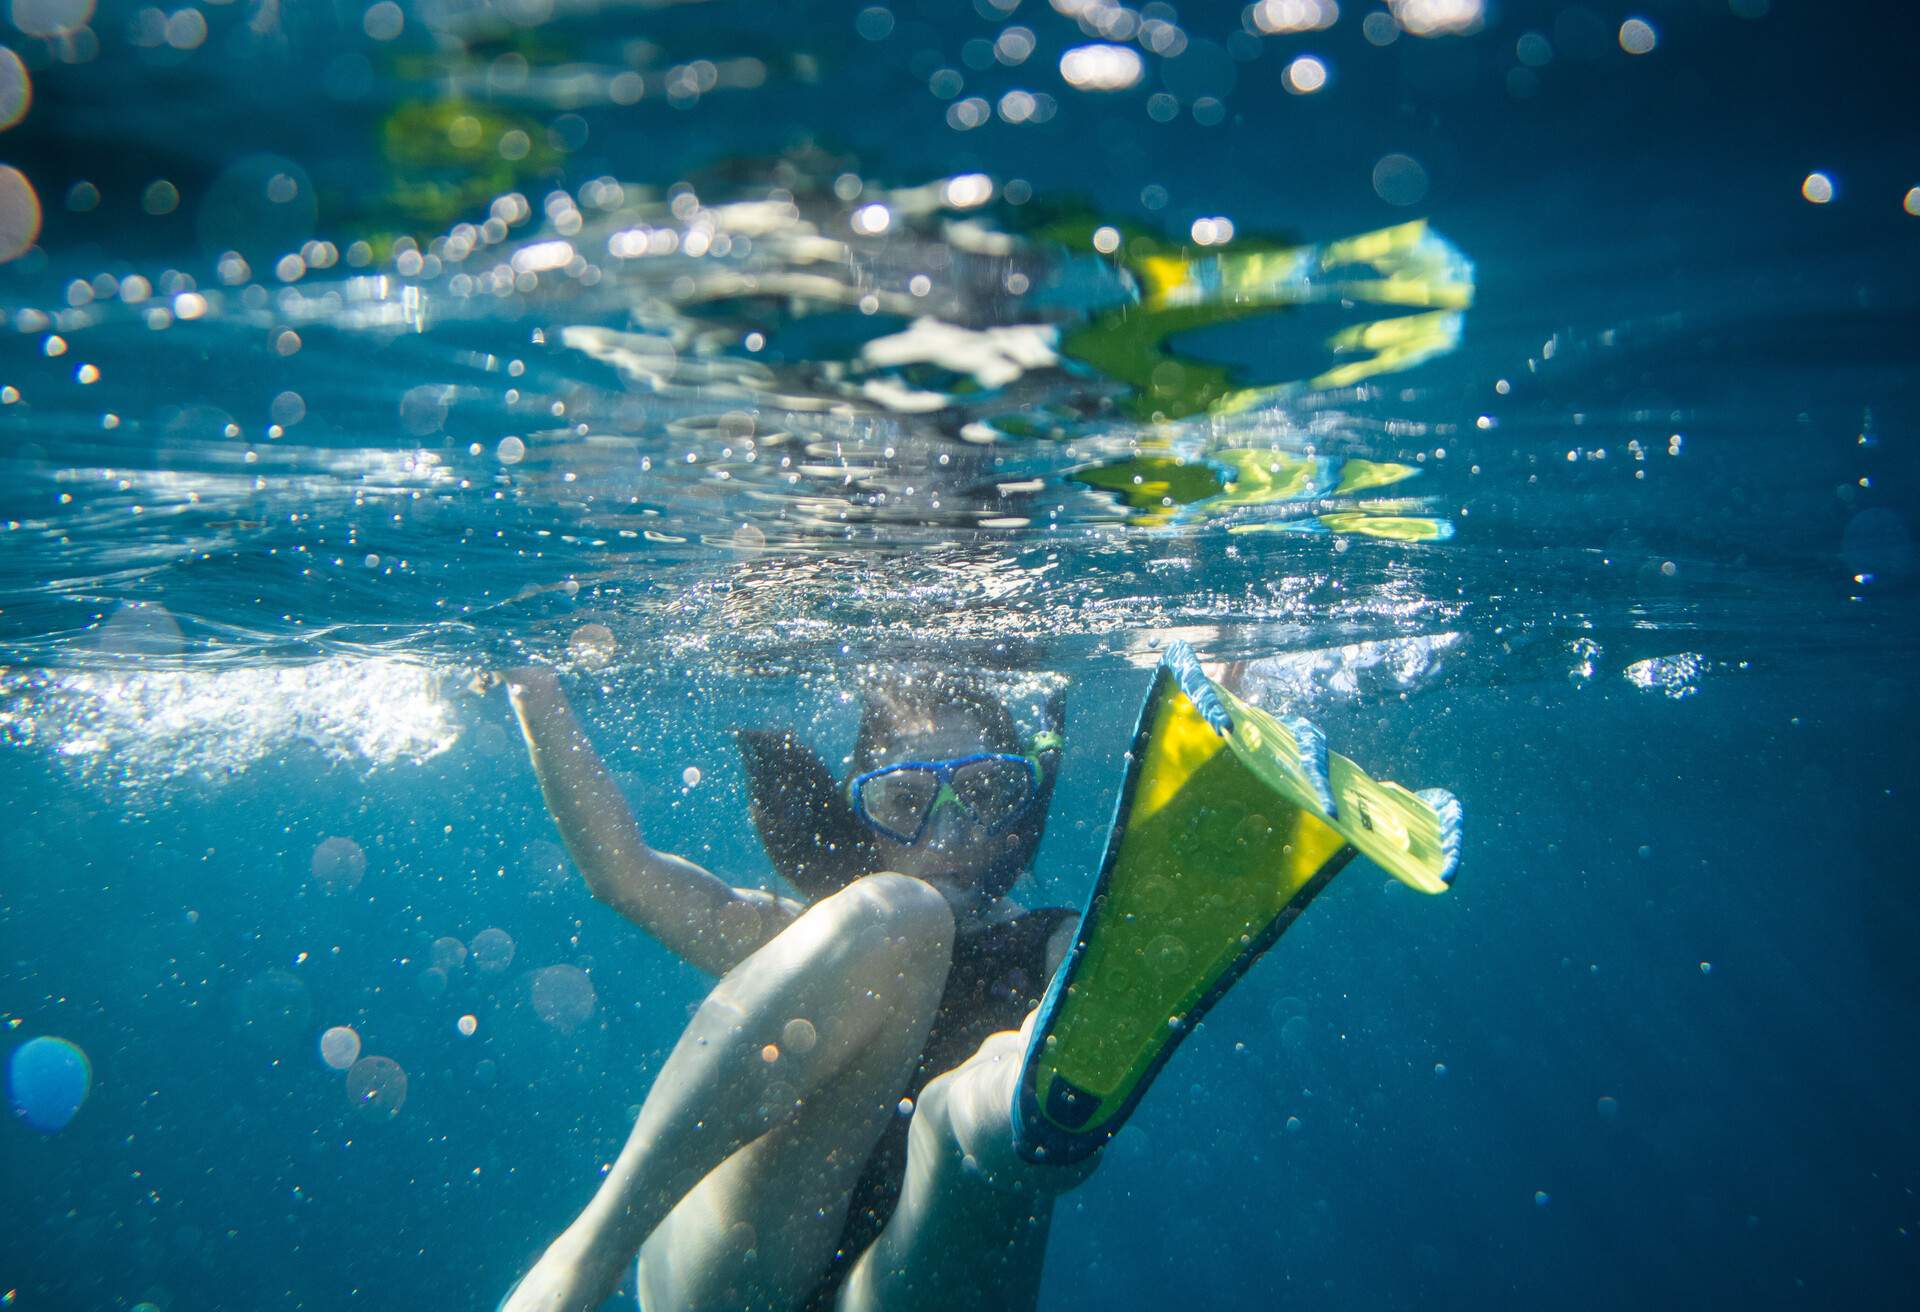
(944, 795)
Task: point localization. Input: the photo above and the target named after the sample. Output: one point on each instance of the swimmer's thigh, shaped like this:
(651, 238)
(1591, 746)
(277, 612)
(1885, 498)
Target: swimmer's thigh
(759, 1231)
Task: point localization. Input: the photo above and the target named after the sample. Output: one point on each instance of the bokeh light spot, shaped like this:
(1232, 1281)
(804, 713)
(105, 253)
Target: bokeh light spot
(1101, 67)
(1399, 180)
(377, 1087)
(338, 865)
(16, 89)
(51, 17)
(563, 997)
(19, 214)
(384, 21)
(1637, 36)
(491, 950)
(1818, 188)
(340, 1047)
(160, 197)
(47, 1080)
(1305, 75)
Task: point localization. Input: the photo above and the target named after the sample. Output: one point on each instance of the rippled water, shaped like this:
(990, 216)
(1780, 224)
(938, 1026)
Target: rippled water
(1525, 389)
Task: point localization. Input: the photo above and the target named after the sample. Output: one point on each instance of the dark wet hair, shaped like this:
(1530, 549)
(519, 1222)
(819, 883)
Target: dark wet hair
(804, 817)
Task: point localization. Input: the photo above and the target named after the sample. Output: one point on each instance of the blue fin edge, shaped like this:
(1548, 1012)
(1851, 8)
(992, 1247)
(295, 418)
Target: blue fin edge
(1181, 662)
(1452, 817)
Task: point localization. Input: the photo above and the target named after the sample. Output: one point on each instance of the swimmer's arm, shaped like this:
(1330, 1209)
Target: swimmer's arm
(699, 918)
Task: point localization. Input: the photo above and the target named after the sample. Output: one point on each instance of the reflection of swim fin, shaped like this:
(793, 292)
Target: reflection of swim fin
(1230, 821)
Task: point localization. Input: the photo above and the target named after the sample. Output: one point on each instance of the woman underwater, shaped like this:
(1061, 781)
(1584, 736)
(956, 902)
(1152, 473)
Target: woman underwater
(771, 1166)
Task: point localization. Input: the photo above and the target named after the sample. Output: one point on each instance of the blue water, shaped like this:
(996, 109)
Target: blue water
(1656, 1045)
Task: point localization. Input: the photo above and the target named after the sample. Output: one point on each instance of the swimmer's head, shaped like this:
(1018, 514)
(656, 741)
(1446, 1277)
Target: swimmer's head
(819, 843)
(970, 852)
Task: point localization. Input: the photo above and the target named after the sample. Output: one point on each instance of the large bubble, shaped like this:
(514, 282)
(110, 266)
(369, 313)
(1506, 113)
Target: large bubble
(563, 996)
(47, 1079)
(339, 864)
(377, 1087)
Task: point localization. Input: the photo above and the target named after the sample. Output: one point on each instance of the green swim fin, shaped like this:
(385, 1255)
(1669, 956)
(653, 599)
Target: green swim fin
(1230, 821)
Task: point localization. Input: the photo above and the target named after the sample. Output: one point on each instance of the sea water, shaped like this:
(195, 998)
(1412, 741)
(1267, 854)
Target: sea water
(719, 354)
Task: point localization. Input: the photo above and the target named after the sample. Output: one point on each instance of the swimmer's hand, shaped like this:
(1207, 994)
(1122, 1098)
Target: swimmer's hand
(538, 678)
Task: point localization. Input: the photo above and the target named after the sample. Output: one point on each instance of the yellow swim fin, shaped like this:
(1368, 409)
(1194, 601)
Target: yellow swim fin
(1229, 823)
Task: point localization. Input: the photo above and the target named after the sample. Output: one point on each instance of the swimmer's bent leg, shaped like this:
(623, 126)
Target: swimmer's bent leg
(866, 965)
(971, 1228)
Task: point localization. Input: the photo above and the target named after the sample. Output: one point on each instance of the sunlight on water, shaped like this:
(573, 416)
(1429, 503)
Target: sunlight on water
(158, 724)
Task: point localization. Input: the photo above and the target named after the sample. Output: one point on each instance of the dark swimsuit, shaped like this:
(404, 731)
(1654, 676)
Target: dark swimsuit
(997, 977)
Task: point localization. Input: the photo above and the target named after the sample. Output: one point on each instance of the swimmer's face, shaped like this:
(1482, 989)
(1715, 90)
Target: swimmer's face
(956, 851)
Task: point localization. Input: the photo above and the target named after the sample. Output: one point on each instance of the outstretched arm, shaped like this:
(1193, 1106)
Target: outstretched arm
(699, 918)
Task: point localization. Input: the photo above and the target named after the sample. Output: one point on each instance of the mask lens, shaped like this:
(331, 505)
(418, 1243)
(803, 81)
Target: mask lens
(898, 799)
(994, 792)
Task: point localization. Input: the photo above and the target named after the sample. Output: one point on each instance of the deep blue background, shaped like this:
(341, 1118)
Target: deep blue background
(1764, 1150)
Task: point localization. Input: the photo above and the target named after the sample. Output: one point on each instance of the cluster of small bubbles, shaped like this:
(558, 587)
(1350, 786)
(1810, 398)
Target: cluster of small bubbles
(1101, 67)
(1216, 231)
(1637, 36)
(340, 1046)
(1283, 17)
(1438, 17)
(1305, 75)
(592, 646)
